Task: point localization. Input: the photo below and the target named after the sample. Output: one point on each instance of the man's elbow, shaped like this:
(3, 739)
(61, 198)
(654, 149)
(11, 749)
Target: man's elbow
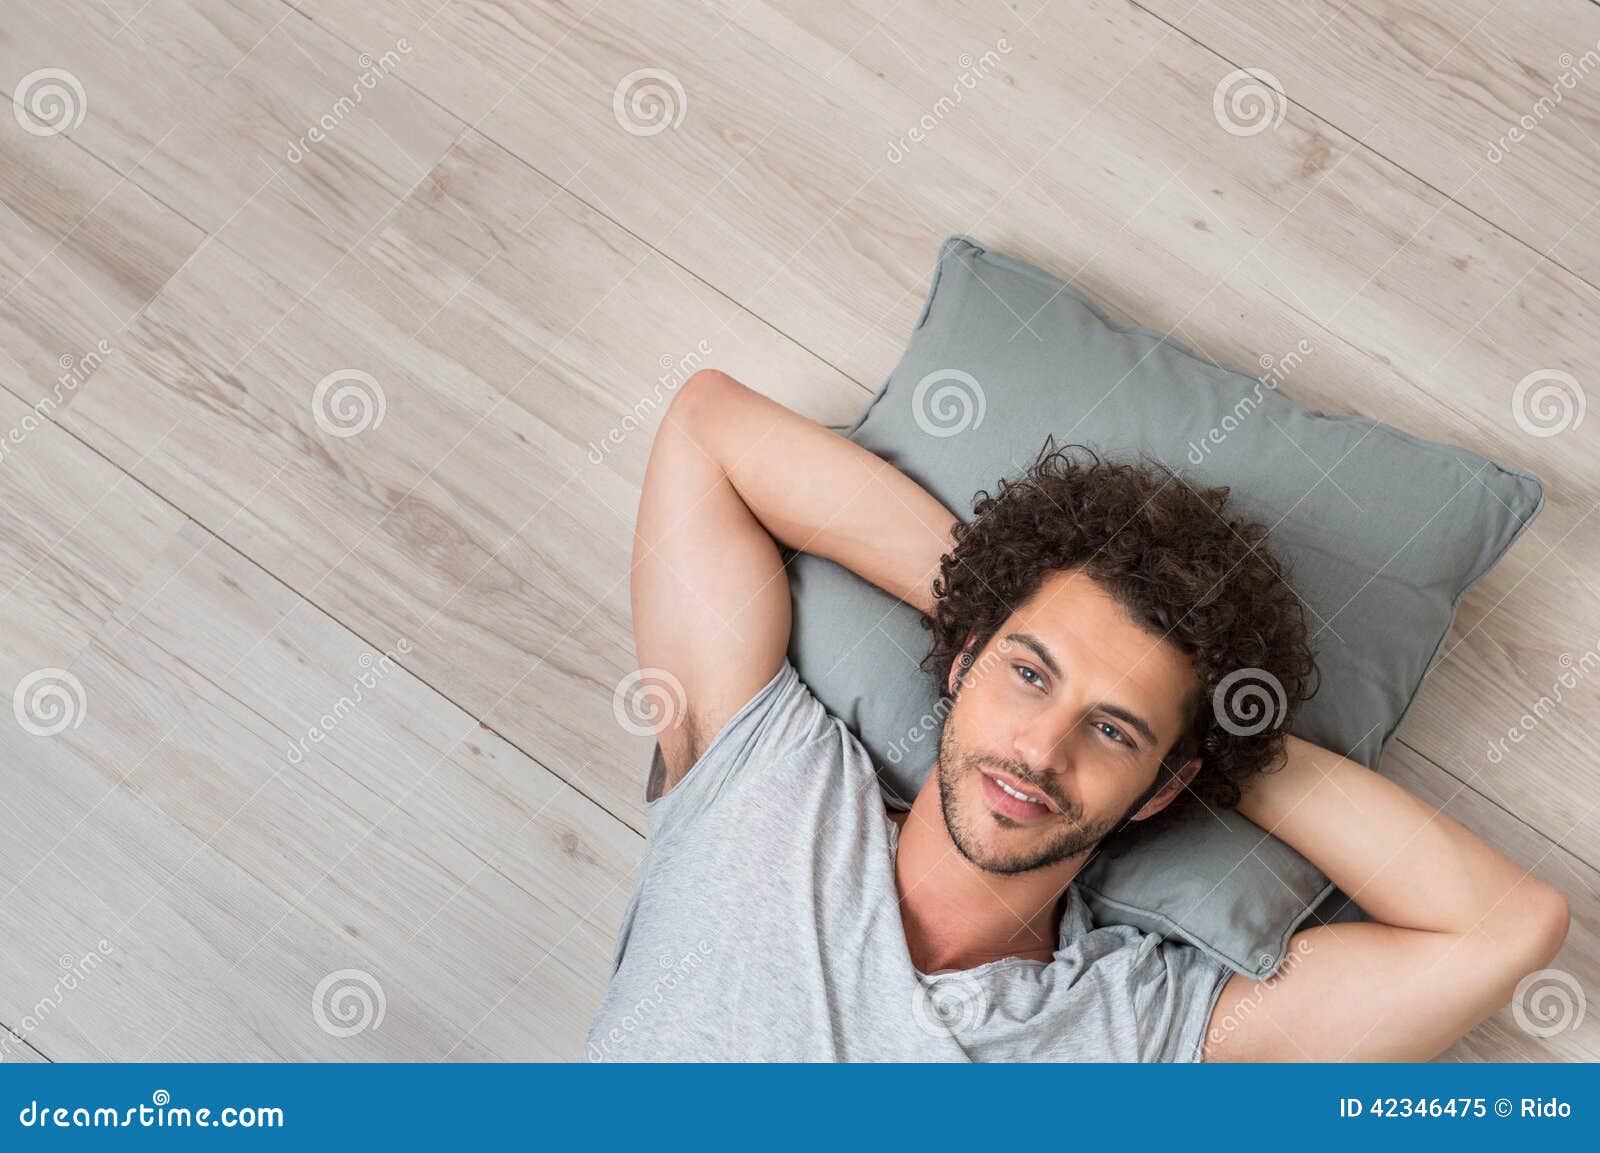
(702, 402)
(1542, 923)
(705, 394)
(1555, 921)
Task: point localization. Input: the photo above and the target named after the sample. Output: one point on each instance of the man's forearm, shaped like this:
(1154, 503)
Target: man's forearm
(818, 492)
(1404, 862)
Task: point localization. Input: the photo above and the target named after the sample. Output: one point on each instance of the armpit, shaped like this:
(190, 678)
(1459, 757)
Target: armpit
(676, 751)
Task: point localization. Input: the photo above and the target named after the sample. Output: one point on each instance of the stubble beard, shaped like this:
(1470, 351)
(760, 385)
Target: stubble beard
(1071, 839)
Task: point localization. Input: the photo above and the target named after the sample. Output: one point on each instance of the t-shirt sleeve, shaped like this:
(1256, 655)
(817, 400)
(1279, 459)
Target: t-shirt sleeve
(1176, 988)
(781, 719)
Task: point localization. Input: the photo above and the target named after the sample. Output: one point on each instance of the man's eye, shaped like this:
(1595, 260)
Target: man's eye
(1112, 732)
(1025, 672)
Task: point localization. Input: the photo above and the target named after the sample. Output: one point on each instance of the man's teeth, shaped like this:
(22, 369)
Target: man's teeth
(1012, 792)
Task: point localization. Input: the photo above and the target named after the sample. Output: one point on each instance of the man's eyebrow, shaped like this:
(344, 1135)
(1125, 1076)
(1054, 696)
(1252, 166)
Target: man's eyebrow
(1039, 650)
(1131, 719)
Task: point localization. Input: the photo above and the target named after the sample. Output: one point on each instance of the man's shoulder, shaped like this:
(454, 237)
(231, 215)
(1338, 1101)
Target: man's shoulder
(783, 742)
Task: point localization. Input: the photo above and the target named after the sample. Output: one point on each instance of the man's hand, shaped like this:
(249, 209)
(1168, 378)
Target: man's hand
(1456, 925)
(731, 476)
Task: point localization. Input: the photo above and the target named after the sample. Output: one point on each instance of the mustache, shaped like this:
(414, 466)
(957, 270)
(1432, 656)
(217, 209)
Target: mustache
(1023, 774)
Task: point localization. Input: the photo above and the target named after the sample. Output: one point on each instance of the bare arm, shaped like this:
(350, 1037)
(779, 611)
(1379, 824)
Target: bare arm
(817, 492)
(731, 476)
(1456, 924)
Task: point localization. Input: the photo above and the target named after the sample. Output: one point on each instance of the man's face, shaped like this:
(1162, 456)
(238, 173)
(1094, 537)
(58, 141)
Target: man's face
(1072, 705)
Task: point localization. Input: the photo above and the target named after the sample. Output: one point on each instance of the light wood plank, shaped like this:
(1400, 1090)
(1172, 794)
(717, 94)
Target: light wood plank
(208, 108)
(79, 535)
(1496, 104)
(228, 878)
(17, 1050)
(82, 250)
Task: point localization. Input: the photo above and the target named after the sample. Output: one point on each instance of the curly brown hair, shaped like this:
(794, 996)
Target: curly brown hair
(1183, 564)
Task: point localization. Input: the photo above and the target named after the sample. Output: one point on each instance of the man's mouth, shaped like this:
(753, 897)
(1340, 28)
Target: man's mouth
(1009, 796)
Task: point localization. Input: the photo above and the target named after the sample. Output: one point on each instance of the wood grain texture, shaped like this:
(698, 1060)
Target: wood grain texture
(525, 281)
(1495, 104)
(252, 805)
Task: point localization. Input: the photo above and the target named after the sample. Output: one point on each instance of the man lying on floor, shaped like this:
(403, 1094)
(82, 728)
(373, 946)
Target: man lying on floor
(1082, 622)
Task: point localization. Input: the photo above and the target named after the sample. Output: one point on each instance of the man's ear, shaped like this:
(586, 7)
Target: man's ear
(953, 680)
(1169, 792)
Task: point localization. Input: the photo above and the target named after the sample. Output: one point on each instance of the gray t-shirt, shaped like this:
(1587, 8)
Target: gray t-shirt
(765, 925)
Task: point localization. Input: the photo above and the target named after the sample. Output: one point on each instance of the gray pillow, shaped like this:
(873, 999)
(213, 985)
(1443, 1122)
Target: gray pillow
(1381, 532)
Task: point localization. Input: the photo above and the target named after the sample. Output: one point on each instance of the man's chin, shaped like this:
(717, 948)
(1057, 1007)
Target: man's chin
(1002, 863)
(997, 845)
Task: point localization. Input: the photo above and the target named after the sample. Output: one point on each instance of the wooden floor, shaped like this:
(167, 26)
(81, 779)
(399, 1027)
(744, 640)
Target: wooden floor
(338, 774)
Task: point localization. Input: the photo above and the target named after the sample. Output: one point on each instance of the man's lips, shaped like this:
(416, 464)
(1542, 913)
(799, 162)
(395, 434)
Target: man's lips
(1036, 807)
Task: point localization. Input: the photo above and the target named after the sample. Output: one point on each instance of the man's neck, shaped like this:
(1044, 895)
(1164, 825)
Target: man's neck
(956, 915)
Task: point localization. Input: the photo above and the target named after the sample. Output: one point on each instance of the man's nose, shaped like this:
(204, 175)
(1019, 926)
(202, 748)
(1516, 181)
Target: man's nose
(1045, 743)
